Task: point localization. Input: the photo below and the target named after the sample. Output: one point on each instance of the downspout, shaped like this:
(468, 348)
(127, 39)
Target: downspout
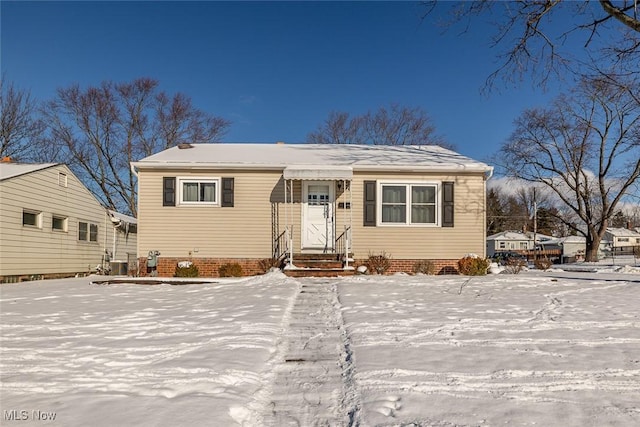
(488, 177)
(104, 250)
(484, 219)
(135, 173)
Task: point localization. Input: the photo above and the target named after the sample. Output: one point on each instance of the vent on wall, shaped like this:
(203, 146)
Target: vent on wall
(62, 179)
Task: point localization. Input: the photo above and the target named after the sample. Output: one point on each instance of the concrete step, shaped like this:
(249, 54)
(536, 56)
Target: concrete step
(318, 272)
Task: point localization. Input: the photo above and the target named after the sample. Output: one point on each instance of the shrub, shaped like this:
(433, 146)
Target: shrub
(514, 266)
(268, 263)
(424, 267)
(230, 270)
(473, 266)
(186, 270)
(378, 264)
(542, 263)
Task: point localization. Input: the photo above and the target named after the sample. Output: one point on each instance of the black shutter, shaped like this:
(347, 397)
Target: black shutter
(227, 193)
(369, 204)
(168, 191)
(447, 204)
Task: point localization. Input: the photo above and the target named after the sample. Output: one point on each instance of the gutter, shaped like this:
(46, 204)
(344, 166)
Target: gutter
(280, 167)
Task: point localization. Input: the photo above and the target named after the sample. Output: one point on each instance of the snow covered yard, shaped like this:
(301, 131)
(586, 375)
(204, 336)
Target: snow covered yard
(526, 349)
(553, 349)
(151, 355)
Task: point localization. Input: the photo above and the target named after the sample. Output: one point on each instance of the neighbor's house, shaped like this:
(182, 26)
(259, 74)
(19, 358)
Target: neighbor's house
(51, 225)
(621, 239)
(505, 241)
(222, 203)
(526, 242)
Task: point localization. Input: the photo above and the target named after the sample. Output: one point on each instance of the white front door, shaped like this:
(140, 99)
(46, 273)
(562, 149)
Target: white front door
(317, 215)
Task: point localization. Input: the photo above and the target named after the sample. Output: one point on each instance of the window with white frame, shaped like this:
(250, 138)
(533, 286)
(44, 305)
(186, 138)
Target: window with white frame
(31, 218)
(58, 223)
(408, 204)
(199, 191)
(87, 232)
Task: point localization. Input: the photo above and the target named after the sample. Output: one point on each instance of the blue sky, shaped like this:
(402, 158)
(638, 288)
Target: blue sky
(275, 70)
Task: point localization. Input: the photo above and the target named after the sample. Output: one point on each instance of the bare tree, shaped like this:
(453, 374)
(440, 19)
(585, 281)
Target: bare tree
(393, 125)
(19, 125)
(99, 130)
(339, 128)
(534, 37)
(585, 149)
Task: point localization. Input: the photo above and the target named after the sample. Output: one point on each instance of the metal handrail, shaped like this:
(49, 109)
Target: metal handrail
(343, 248)
(281, 245)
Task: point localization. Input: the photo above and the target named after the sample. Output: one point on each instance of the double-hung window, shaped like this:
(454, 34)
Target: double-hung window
(199, 191)
(87, 232)
(408, 204)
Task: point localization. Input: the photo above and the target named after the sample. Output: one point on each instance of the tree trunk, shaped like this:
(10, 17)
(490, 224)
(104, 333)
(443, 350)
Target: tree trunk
(593, 244)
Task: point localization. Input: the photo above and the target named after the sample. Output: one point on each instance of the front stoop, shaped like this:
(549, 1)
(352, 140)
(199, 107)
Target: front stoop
(317, 265)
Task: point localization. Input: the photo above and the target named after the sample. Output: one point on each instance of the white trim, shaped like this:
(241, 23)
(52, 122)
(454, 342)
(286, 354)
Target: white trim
(65, 223)
(196, 179)
(318, 173)
(408, 184)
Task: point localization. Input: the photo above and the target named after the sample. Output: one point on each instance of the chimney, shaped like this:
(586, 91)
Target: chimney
(6, 159)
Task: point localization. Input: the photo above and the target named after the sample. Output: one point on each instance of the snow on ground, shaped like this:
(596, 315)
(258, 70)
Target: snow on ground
(538, 348)
(150, 355)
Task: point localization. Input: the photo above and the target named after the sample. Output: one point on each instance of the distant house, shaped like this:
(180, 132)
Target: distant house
(51, 225)
(242, 203)
(523, 242)
(509, 241)
(622, 239)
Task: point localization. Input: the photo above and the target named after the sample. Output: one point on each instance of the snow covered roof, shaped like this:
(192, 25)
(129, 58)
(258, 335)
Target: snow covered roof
(11, 170)
(520, 236)
(573, 239)
(509, 235)
(622, 232)
(314, 156)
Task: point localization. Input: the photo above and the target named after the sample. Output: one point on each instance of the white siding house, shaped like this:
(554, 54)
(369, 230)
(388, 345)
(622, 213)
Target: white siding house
(508, 241)
(622, 239)
(51, 225)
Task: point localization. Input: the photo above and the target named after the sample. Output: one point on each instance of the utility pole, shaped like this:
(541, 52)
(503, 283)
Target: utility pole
(535, 225)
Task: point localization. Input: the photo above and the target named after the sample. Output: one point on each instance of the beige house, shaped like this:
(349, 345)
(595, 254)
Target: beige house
(51, 225)
(220, 203)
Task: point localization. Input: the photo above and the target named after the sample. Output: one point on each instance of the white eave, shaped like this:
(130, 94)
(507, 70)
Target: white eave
(318, 172)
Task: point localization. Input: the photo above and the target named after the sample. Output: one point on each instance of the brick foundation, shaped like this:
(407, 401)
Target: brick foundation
(442, 266)
(207, 267)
